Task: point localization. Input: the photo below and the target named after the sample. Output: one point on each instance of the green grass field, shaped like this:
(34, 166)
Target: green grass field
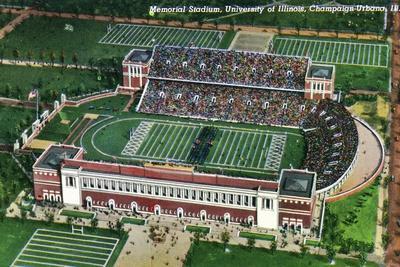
(244, 149)
(199, 229)
(16, 234)
(358, 214)
(14, 121)
(132, 220)
(49, 35)
(78, 214)
(5, 18)
(18, 81)
(257, 236)
(207, 254)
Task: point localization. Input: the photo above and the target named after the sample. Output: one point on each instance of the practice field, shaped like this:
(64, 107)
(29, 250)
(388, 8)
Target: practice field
(336, 52)
(58, 248)
(254, 150)
(148, 36)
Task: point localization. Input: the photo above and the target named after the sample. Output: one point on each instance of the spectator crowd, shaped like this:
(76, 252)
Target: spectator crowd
(229, 67)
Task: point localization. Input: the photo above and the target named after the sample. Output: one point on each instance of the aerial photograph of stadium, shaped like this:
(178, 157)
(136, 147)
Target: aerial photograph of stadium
(150, 133)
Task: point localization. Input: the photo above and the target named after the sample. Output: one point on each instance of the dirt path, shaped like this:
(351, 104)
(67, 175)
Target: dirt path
(130, 103)
(394, 187)
(15, 22)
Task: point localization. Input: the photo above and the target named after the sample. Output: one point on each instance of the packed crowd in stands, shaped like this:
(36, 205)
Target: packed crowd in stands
(329, 129)
(226, 103)
(229, 67)
(332, 142)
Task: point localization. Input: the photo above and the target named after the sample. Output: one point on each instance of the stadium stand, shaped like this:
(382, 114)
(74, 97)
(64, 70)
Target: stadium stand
(229, 67)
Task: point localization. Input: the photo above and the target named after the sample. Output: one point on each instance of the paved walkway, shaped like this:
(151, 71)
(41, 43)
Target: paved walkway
(15, 22)
(33, 63)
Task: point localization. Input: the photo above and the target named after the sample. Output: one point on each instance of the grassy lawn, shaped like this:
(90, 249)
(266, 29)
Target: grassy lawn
(257, 236)
(18, 81)
(227, 39)
(361, 78)
(358, 214)
(312, 243)
(77, 214)
(48, 35)
(5, 18)
(374, 112)
(16, 233)
(14, 121)
(199, 229)
(133, 220)
(209, 254)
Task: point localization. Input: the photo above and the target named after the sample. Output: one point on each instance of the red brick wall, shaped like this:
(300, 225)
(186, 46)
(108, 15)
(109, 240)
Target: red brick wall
(38, 190)
(307, 219)
(294, 206)
(147, 205)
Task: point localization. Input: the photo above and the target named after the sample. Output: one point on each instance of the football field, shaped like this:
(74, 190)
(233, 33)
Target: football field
(334, 52)
(148, 36)
(58, 248)
(232, 148)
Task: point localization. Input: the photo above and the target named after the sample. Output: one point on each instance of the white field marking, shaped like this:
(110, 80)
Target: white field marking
(69, 261)
(330, 55)
(157, 125)
(363, 54)
(141, 38)
(26, 245)
(196, 37)
(137, 139)
(275, 153)
(348, 54)
(129, 36)
(72, 249)
(243, 148)
(187, 35)
(171, 128)
(204, 40)
(251, 147)
(164, 33)
(175, 36)
(75, 245)
(374, 55)
(214, 40)
(359, 51)
(188, 152)
(323, 51)
(262, 151)
(136, 39)
(152, 35)
(187, 142)
(199, 38)
(286, 52)
(132, 35)
(219, 144)
(112, 252)
(178, 136)
(64, 254)
(119, 34)
(209, 39)
(343, 53)
(369, 55)
(338, 54)
(109, 34)
(124, 36)
(354, 53)
(94, 236)
(284, 46)
(233, 167)
(74, 239)
(299, 48)
(37, 263)
(223, 148)
(379, 56)
(180, 141)
(257, 147)
(190, 141)
(325, 41)
(277, 46)
(329, 52)
(319, 47)
(170, 139)
(231, 146)
(162, 135)
(164, 39)
(236, 149)
(177, 40)
(313, 51)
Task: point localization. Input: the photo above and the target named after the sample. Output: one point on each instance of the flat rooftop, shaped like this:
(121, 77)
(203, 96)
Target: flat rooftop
(54, 155)
(296, 183)
(320, 71)
(141, 56)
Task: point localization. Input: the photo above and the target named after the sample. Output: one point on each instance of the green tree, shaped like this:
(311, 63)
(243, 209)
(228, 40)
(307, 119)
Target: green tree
(42, 56)
(272, 247)
(94, 222)
(52, 57)
(303, 250)
(250, 243)
(29, 55)
(62, 57)
(225, 237)
(16, 54)
(75, 59)
(331, 253)
(362, 258)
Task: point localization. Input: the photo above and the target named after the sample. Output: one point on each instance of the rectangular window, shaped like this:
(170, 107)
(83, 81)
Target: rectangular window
(253, 201)
(194, 194)
(239, 200)
(112, 185)
(120, 186)
(164, 191)
(171, 192)
(135, 188)
(186, 193)
(223, 198)
(99, 183)
(178, 192)
(201, 195)
(268, 203)
(142, 188)
(91, 182)
(230, 199)
(128, 187)
(216, 197)
(149, 189)
(157, 190)
(246, 200)
(209, 196)
(106, 184)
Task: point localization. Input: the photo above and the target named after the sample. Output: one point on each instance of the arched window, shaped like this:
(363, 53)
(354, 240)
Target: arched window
(179, 212)
(157, 210)
(227, 218)
(203, 215)
(248, 102)
(250, 220)
(134, 207)
(89, 202)
(111, 204)
(168, 62)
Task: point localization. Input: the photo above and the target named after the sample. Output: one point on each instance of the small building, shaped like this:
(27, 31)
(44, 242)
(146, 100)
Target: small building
(320, 82)
(135, 68)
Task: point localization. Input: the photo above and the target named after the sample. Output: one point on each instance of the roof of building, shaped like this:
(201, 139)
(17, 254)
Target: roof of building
(54, 155)
(320, 71)
(142, 56)
(296, 183)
